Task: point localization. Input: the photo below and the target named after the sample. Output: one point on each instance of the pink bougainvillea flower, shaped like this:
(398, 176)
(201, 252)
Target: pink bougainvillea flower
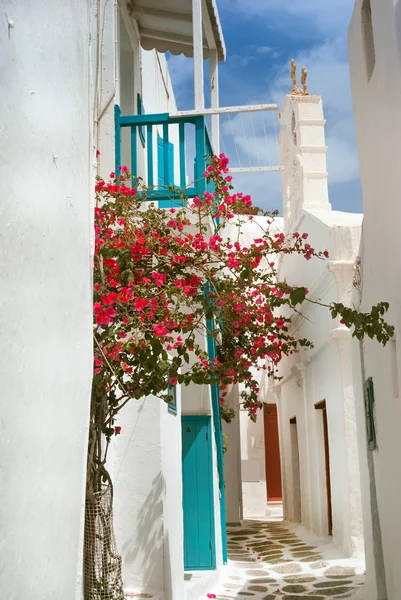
(173, 381)
(140, 303)
(159, 329)
(117, 430)
(209, 595)
(97, 153)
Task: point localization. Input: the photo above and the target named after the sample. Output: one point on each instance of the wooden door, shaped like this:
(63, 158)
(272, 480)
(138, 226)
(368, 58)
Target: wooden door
(272, 454)
(197, 498)
(328, 478)
(296, 475)
(322, 406)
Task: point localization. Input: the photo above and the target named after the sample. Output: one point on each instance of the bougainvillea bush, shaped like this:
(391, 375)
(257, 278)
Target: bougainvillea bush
(160, 273)
(166, 279)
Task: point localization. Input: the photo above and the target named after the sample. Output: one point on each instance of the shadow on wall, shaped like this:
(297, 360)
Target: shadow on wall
(145, 549)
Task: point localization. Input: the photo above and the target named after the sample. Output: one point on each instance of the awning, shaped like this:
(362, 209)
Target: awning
(166, 25)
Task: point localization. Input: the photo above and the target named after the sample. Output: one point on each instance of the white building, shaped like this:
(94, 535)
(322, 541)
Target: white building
(375, 64)
(74, 69)
(94, 76)
(314, 399)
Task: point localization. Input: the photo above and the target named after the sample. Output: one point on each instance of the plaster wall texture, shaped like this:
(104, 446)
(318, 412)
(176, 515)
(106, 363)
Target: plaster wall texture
(147, 461)
(249, 462)
(148, 497)
(46, 182)
(378, 127)
(105, 80)
(323, 373)
(138, 496)
(124, 75)
(232, 460)
(146, 458)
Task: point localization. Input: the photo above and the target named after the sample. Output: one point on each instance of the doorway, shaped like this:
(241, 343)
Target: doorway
(272, 454)
(321, 406)
(296, 476)
(197, 494)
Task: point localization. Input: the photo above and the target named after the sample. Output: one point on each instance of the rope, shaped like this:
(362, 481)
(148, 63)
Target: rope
(235, 143)
(256, 143)
(267, 144)
(247, 147)
(274, 117)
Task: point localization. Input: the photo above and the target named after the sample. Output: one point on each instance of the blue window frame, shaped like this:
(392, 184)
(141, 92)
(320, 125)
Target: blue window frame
(172, 405)
(167, 202)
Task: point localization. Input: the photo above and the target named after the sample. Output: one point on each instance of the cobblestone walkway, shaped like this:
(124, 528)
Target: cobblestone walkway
(268, 561)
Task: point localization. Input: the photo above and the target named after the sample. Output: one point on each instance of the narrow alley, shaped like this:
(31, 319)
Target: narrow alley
(271, 559)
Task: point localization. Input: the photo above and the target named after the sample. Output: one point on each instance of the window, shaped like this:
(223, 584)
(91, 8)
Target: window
(369, 414)
(172, 405)
(368, 39)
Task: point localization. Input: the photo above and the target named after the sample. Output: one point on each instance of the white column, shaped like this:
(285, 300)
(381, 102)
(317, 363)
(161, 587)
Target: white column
(214, 100)
(277, 396)
(232, 464)
(197, 35)
(306, 515)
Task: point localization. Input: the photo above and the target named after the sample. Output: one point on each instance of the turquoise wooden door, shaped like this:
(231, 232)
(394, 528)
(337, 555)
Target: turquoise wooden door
(198, 505)
(165, 203)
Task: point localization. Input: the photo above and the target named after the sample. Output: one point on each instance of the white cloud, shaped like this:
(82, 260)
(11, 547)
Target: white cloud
(328, 76)
(181, 71)
(251, 138)
(264, 50)
(240, 61)
(324, 15)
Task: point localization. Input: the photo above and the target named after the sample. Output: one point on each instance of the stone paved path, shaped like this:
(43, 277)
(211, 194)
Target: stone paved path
(268, 561)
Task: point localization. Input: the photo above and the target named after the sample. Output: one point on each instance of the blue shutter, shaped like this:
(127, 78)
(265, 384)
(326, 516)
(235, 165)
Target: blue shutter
(165, 202)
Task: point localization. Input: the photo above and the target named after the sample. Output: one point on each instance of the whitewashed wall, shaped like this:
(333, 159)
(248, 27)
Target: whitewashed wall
(378, 126)
(232, 460)
(245, 459)
(46, 180)
(148, 497)
(146, 459)
(323, 373)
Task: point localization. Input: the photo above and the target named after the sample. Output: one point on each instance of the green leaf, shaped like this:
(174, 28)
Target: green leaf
(297, 296)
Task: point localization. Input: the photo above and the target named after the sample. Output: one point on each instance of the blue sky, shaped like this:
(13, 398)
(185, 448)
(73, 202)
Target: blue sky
(261, 37)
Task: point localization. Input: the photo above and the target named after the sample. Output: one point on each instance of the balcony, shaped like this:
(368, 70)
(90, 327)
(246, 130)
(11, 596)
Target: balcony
(155, 150)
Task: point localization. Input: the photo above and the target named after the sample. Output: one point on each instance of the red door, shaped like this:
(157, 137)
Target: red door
(272, 454)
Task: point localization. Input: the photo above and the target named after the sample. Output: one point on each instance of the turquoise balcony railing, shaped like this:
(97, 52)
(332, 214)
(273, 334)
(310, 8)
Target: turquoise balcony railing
(159, 158)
